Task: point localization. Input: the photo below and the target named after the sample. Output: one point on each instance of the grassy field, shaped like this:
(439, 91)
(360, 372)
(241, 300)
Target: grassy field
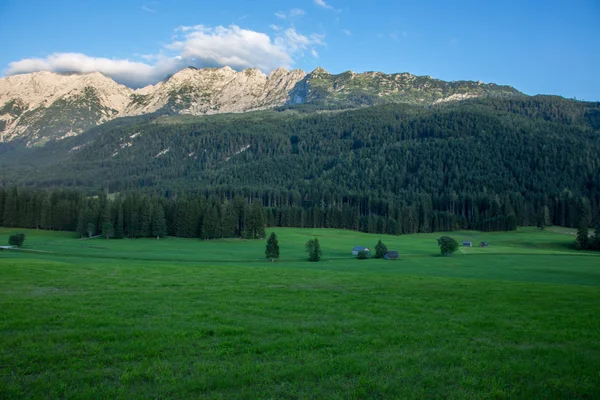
(178, 318)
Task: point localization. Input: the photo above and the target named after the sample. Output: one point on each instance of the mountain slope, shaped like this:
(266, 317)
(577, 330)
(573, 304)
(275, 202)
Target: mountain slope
(539, 146)
(39, 107)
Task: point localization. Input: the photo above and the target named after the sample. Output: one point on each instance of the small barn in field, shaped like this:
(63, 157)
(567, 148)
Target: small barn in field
(356, 249)
(5, 247)
(467, 244)
(391, 255)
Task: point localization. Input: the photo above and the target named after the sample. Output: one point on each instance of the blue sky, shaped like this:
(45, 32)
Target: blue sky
(549, 47)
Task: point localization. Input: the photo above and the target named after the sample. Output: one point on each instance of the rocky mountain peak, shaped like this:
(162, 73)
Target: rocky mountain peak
(45, 106)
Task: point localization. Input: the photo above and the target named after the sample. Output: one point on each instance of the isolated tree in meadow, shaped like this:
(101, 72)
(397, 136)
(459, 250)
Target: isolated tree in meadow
(543, 218)
(314, 250)
(447, 245)
(362, 255)
(272, 250)
(380, 249)
(16, 239)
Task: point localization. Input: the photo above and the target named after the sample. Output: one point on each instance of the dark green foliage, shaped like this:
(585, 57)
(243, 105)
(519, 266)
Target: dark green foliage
(487, 165)
(255, 221)
(91, 229)
(17, 239)
(362, 255)
(380, 249)
(272, 250)
(159, 223)
(447, 245)
(313, 249)
(108, 230)
(482, 164)
(543, 219)
(119, 230)
(582, 242)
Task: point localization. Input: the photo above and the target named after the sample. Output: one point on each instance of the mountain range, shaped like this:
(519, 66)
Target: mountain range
(44, 106)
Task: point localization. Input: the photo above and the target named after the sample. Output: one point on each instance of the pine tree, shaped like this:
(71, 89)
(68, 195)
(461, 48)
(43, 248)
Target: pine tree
(81, 228)
(314, 250)
(543, 218)
(145, 215)
(2, 201)
(10, 208)
(229, 220)
(108, 228)
(159, 223)
(380, 249)
(90, 229)
(583, 242)
(272, 250)
(255, 222)
(119, 228)
(211, 223)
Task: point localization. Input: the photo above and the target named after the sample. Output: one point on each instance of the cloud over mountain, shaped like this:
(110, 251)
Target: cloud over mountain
(199, 46)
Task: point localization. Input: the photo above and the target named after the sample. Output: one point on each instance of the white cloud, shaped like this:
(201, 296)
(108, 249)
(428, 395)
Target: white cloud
(294, 13)
(275, 27)
(297, 12)
(199, 46)
(314, 53)
(322, 3)
(347, 32)
(150, 7)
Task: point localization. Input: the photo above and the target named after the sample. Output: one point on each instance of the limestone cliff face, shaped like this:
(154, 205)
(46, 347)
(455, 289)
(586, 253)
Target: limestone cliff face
(211, 91)
(44, 106)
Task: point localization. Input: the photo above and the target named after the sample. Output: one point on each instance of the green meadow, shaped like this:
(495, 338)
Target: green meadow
(186, 318)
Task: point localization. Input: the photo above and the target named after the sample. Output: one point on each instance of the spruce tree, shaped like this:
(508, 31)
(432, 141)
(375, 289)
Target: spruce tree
(543, 218)
(90, 229)
(108, 228)
(380, 249)
(582, 242)
(229, 220)
(81, 224)
(255, 222)
(10, 208)
(272, 250)
(145, 224)
(314, 250)
(2, 200)
(211, 223)
(119, 228)
(159, 223)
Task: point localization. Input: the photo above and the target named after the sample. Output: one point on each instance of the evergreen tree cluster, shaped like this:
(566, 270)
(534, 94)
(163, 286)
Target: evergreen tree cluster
(585, 240)
(245, 213)
(131, 215)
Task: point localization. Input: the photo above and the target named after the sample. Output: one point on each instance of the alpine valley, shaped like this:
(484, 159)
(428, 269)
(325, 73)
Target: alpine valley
(381, 153)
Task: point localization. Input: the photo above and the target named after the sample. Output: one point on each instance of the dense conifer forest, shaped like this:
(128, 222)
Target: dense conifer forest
(491, 164)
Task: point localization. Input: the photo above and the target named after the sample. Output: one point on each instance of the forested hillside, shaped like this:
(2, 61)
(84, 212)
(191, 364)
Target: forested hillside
(488, 164)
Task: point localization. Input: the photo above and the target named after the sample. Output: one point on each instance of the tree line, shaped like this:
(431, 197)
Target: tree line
(213, 215)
